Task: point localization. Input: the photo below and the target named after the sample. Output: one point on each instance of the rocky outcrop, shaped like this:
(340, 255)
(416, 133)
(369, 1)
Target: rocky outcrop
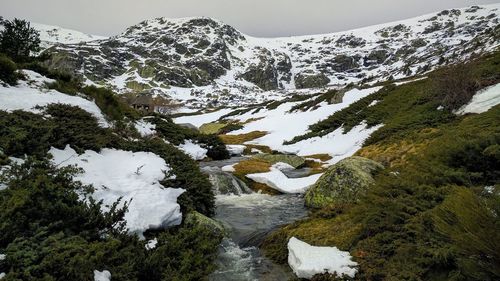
(343, 182)
(311, 80)
(196, 219)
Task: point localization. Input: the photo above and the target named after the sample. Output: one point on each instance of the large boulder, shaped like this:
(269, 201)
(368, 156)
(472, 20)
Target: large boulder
(194, 218)
(343, 182)
(292, 160)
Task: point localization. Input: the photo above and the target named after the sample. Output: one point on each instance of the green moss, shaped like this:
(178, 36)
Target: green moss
(343, 183)
(211, 128)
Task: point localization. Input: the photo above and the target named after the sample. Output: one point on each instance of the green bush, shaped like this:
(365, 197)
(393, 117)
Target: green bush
(18, 39)
(110, 104)
(8, 70)
(49, 233)
(176, 135)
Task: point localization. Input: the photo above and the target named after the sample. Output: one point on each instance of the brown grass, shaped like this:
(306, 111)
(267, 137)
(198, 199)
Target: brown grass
(322, 157)
(240, 139)
(263, 148)
(251, 166)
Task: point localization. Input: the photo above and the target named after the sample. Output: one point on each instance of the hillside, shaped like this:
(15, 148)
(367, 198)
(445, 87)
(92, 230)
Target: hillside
(207, 62)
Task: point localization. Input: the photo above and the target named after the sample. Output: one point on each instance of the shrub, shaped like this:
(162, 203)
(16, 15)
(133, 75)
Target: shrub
(110, 104)
(8, 69)
(18, 39)
(455, 85)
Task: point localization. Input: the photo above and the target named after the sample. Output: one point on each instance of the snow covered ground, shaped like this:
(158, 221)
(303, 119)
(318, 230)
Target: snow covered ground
(50, 35)
(194, 150)
(31, 93)
(282, 125)
(135, 177)
(482, 101)
(198, 120)
(145, 128)
(306, 260)
(279, 181)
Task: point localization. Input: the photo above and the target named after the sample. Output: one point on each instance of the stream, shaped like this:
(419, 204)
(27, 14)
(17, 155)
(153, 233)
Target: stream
(248, 217)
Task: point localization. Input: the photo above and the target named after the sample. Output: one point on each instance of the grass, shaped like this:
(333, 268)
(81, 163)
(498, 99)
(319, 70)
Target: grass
(427, 216)
(242, 138)
(262, 148)
(253, 166)
(211, 128)
(322, 157)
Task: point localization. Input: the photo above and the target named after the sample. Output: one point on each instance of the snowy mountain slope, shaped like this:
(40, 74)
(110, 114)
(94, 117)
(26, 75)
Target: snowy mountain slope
(51, 35)
(208, 63)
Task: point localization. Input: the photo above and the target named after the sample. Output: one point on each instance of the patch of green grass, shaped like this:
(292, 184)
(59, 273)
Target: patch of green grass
(242, 138)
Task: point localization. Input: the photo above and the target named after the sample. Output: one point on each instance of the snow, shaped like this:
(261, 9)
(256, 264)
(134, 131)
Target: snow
(276, 179)
(410, 81)
(194, 150)
(56, 34)
(306, 260)
(135, 177)
(151, 244)
(102, 275)
(29, 94)
(235, 149)
(482, 101)
(229, 168)
(283, 125)
(283, 166)
(145, 128)
(336, 144)
(2, 275)
(2, 257)
(201, 119)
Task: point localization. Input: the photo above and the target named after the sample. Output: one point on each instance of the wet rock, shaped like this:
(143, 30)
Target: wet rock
(194, 218)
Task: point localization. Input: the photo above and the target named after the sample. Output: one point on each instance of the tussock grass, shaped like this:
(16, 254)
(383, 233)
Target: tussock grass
(242, 138)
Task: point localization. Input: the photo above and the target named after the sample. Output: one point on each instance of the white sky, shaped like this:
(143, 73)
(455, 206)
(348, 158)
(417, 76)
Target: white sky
(263, 18)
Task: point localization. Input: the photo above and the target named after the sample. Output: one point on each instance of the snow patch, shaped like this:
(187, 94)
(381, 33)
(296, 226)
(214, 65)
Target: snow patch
(28, 94)
(194, 150)
(102, 275)
(276, 179)
(135, 177)
(228, 168)
(235, 149)
(482, 101)
(145, 128)
(152, 244)
(306, 260)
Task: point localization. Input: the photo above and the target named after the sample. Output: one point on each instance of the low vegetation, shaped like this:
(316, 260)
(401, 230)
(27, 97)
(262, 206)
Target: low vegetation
(242, 138)
(433, 212)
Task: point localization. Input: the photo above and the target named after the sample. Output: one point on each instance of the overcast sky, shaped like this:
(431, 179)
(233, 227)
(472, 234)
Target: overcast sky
(264, 18)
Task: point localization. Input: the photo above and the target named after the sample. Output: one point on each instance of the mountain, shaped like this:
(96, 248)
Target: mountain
(51, 35)
(207, 62)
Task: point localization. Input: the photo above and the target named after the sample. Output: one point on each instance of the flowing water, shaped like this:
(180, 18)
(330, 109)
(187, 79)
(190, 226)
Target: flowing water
(248, 217)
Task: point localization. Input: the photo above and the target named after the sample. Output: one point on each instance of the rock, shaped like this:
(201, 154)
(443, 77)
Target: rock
(212, 128)
(292, 160)
(195, 218)
(225, 182)
(313, 80)
(235, 149)
(343, 182)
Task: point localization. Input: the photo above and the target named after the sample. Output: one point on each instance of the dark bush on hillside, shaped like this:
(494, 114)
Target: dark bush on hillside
(48, 233)
(455, 85)
(75, 126)
(110, 104)
(176, 135)
(24, 133)
(18, 39)
(36, 66)
(8, 69)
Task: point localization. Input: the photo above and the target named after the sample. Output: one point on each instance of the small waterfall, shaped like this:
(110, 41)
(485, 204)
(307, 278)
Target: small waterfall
(225, 183)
